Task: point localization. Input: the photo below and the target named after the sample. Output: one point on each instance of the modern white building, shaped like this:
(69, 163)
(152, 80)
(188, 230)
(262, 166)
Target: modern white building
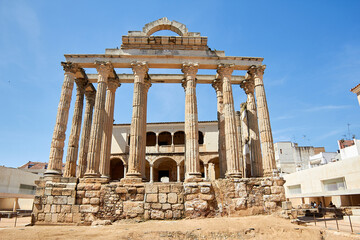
(290, 157)
(17, 189)
(332, 178)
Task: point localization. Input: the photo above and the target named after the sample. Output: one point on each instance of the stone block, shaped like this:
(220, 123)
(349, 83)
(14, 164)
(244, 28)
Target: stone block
(267, 190)
(147, 206)
(94, 201)
(266, 183)
(53, 209)
(92, 194)
(270, 205)
(156, 206)
(164, 188)
(286, 205)
(207, 197)
(195, 190)
(275, 198)
(181, 198)
(89, 209)
(54, 217)
(71, 200)
(41, 217)
(47, 208)
(155, 214)
(86, 201)
(177, 214)
(147, 215)
(75, 208)
(68, 217)
(76, 217)
(140, 190)
(177, 207)
(67, 192)
(187, 189)
(65, 209)
(240, 187)
(162, 197)
(139, 197)
(172, 198)
(60, 200)
(96, 186)
(240, 203)
(48, 217)
(279, 182)
(199, 205)
(80, 194)
(132, 190)
(133, 207)
(48, 191)
(168, 214)
(205, 189)
(151, 188)
(37, 200)
(152, 198)
(190, 197)
(80, 186)
(277, 189)
(166, 206)
(176, 188)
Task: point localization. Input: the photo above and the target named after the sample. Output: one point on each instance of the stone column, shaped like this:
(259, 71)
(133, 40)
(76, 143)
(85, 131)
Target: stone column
(205, 171)
(57, 143)
(245, 141)
(177, 172)
(254, 142)
(172, 142)
(112, 85)
(137, 146)
(151, 172)
(267, 144)
(217, 85)
(97, 126)
(157, 142)
(231, 142)
(192, 164)
(125, 170)
(240, 145)
(85, 133)
(73, 145)
(147, 85)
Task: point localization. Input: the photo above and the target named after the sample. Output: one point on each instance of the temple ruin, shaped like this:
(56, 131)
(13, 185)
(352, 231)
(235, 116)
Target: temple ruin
(159, 170)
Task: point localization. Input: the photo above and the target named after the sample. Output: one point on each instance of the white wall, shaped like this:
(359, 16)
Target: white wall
(11, 178)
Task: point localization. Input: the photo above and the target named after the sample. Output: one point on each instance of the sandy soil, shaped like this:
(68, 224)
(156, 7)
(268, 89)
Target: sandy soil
(254, 227)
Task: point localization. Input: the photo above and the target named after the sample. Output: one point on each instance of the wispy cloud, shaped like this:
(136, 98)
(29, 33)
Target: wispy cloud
(326, 107)
(283, 117)
(329, 134)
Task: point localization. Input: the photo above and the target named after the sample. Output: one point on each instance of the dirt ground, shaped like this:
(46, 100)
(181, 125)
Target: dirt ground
(253, 227)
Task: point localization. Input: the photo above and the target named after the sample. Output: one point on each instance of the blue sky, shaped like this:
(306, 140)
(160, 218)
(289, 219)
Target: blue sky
(311, 49)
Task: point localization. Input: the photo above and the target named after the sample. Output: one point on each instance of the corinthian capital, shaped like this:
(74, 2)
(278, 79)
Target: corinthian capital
(248, 85)
(147, 84)
(225, 70)
(70, 67)
(217, 85)
(256, 71)
(190, 69)
(113, 84)
(140, 68)
(104, 68)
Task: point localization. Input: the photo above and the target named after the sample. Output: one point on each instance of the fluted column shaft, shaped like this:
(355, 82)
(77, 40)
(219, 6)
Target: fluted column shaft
(85, 133)
(217, 85)
(147, 85)
(137, 146)
(97, 126)
(231, 142)
(73, 145)
(192, 163)
(58, 139)
(245, 141)
(254, 141)
(267, 144)
(112, 85)
(239, 138)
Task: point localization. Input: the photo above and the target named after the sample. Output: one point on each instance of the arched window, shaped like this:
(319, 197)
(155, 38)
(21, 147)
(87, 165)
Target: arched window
(201, 138)
(164, 138)
(179, 138)
(150, 139)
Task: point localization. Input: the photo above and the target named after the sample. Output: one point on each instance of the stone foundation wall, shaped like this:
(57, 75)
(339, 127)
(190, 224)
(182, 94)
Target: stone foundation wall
(83, 201)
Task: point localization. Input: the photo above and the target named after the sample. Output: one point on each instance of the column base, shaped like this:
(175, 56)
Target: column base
(131, 180)
(193, 177)
(50, 173)
(105, 176)
(92, 175)
(233, 175)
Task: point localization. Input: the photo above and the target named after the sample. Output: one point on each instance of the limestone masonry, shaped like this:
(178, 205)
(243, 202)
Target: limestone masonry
(143, 171)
